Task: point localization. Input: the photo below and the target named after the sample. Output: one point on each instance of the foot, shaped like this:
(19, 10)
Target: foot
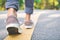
(28, 24)
(12, 25)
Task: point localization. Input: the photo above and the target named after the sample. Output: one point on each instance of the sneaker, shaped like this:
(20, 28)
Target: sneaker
(28, 24)
(12, 25)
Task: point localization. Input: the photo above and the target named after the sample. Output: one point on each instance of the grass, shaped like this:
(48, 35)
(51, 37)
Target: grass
(1, 8)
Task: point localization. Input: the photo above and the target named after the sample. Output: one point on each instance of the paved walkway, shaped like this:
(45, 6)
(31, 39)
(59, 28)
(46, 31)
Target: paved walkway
(43, 23)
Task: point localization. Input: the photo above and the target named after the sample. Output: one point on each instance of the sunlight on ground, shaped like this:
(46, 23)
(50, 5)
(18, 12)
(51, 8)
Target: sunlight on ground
(54, 15)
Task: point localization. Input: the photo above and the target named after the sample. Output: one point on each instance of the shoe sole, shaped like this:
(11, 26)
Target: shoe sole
(28, 27)
(12, 30)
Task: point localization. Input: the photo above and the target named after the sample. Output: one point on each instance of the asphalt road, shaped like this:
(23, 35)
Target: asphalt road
(47, 26)
(3, 31)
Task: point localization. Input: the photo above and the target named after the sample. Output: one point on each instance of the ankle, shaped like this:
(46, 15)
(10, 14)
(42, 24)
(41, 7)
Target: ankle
(12, 12)
(27, 18)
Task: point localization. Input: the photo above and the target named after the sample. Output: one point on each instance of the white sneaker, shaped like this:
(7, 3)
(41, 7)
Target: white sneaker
(13, 26)
(28, 24)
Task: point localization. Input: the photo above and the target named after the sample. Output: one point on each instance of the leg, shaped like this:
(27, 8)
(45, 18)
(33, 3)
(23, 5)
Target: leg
(12, 7)
(12, 23)
(28, 10)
